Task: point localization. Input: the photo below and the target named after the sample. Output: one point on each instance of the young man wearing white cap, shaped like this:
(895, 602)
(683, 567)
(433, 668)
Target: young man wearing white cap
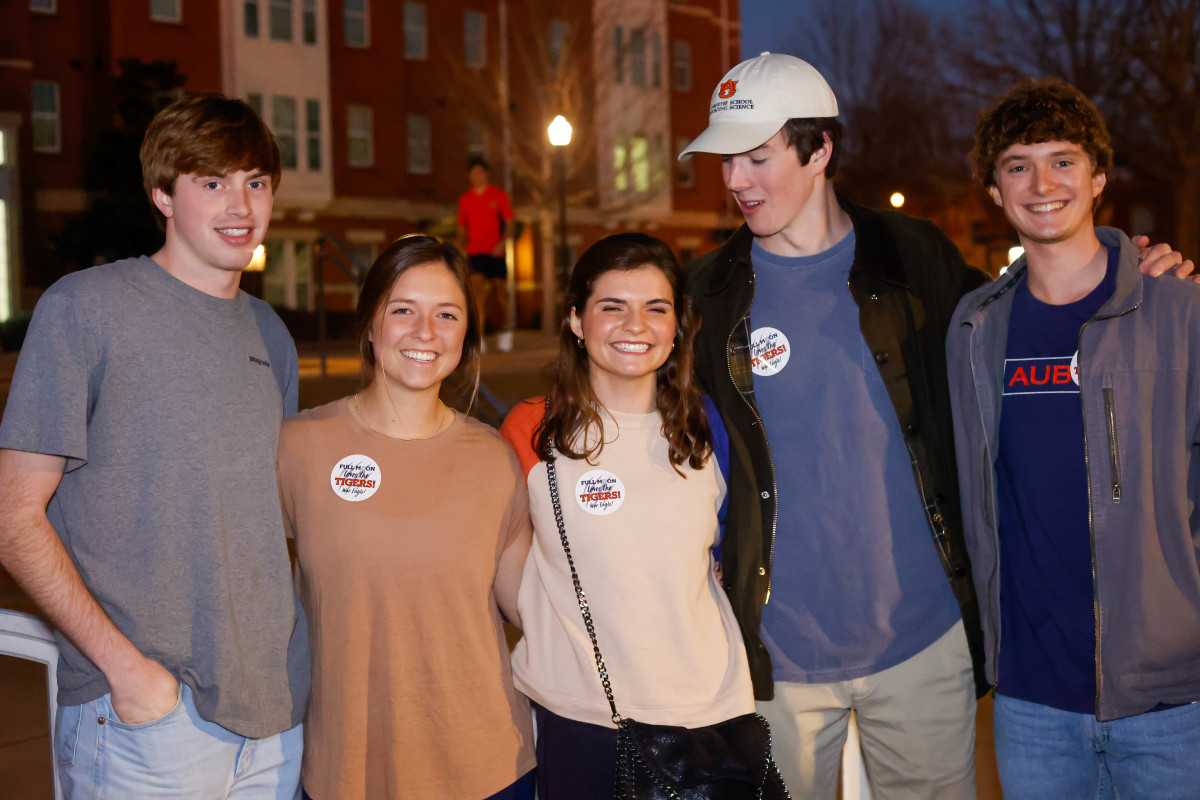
(823, 349)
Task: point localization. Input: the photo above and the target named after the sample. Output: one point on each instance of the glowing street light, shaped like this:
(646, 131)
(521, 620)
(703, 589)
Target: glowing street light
(559, 131)
(1014, 253)
(896, 200)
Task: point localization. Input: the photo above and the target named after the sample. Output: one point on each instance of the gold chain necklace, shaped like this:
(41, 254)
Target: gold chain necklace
(367, 422)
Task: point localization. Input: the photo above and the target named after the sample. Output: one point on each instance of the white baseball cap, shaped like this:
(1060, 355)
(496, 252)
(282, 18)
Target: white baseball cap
(756, 98)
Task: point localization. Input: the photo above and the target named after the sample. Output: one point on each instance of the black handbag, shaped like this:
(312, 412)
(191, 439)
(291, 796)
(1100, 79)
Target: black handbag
(727, 761)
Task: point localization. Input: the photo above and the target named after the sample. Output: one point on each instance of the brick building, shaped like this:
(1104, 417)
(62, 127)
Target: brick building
(377, 105)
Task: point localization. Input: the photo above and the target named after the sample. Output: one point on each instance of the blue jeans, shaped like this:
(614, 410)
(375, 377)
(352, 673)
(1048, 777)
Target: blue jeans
(178, 755)
(1043, 752)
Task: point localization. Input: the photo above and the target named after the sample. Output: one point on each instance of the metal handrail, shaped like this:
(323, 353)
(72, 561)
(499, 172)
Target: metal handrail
(29, 637)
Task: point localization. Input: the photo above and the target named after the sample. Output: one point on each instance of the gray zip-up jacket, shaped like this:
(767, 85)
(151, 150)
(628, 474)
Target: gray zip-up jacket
(1139, 368)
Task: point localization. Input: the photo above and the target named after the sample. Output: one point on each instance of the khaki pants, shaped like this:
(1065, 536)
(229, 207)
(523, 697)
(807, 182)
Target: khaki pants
(916, 721)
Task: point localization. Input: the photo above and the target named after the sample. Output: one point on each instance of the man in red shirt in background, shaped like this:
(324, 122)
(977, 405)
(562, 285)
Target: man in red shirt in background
(484, 212)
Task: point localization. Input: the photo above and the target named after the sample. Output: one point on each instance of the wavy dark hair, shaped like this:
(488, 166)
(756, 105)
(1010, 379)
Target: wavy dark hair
(573, 407)
(402, 255)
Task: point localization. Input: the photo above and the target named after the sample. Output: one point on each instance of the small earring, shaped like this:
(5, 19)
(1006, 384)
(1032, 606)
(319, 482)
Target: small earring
(672, 344)
(579, 342)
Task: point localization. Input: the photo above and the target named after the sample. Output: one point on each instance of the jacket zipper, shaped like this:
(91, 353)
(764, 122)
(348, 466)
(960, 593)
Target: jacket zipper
(1091, 517)
(762, 429)
(1114, 459)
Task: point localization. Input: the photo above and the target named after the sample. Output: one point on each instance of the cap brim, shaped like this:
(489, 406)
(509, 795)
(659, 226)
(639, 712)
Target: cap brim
(731, 138)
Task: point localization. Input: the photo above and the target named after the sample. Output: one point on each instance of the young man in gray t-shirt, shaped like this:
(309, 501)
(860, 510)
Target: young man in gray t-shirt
(138, 499)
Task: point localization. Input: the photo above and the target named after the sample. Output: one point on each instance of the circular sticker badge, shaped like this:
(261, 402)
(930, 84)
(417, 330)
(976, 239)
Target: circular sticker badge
(769, 351)
(1075, 367)
(355, 478)
(599, 492)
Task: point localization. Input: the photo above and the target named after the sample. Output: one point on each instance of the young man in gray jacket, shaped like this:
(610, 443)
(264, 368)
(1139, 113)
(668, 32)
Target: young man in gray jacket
(1075, 386)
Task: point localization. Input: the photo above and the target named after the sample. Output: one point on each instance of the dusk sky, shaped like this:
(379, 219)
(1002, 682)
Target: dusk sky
(769, 24)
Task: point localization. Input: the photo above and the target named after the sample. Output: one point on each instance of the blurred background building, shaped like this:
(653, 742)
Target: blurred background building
(376, 105)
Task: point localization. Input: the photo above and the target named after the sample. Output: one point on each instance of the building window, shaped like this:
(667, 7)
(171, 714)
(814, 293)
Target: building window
(619, 54)
(360, 137)
(308, 21)
(44, 6)
(420, 145)
(166, 10)
(656, 63)
(281, 20)
(250, 18)
(47, 118)
(637, 58)
(475, 39)
(283, 119)
(639, 162)
(620, 159)
(682, 65)
(416, 46)
(254, 100)
(354, 23)
(558, 39)
(685, 170)
(477, 140)
(658, 165)
(312, 127)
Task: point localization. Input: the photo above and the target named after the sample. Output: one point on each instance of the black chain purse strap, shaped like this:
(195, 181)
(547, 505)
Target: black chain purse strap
(584, 609)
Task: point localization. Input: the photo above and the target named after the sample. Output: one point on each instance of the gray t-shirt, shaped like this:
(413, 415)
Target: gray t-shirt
(166, 403)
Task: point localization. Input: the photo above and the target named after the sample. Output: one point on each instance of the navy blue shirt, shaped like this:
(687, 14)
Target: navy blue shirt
(857, 585)
(1047, 620)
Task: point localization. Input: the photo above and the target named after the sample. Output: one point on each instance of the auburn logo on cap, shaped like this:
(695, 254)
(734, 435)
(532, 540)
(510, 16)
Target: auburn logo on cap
(727, 89)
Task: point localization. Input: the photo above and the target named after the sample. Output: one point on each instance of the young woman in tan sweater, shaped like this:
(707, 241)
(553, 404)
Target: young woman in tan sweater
(411, 524)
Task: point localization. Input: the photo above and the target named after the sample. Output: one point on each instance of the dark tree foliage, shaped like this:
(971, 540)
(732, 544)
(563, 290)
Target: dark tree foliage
(119, 222)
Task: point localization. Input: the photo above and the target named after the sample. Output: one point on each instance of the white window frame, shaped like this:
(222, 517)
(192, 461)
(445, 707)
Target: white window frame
(474, 41)
(284, 134)
(416, 30)
(363, 17)
(287, 6)
(176, 17)
(364, 133)
(681, 65)
(419, 136)
(54, 117)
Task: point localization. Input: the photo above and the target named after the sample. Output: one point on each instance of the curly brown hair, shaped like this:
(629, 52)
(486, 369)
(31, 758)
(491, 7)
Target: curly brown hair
(573, 408)
(1035, 111)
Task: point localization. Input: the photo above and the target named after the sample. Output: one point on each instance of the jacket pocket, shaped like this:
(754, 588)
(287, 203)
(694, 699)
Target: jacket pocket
(1114, 453)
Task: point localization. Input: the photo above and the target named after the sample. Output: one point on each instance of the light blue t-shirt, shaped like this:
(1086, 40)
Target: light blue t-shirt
(857, 585)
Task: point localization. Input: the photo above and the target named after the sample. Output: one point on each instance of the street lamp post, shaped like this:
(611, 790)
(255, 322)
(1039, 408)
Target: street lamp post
(559, 132)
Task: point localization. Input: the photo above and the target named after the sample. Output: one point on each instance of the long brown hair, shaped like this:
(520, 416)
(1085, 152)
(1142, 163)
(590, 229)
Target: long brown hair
(573, 407)
(402, 255)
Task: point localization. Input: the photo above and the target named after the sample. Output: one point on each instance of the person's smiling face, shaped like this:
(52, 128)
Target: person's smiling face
(627, 325)
(1047, 190)
(418, 333)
